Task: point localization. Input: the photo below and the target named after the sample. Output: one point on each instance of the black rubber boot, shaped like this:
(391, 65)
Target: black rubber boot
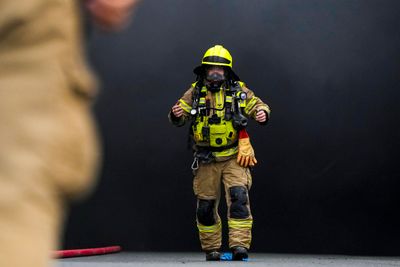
(239, 253)
(213, 255)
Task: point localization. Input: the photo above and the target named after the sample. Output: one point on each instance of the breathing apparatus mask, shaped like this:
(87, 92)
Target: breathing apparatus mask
(214, 81)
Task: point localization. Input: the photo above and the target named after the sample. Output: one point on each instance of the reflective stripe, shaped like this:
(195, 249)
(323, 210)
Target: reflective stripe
(185, 106)
(240, 223)
(209, 229)
(219, 102)
(251, 104)
(226, 153)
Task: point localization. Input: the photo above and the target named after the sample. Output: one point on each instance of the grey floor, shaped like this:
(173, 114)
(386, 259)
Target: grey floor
(125, 259)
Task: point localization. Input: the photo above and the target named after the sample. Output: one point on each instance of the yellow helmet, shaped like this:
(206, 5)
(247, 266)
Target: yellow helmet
(217, 55)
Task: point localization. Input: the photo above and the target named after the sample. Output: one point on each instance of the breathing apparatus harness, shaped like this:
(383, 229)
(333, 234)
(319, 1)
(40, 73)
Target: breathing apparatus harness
(234, 104)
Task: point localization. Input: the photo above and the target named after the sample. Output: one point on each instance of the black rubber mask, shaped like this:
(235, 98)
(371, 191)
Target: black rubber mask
(215, 81)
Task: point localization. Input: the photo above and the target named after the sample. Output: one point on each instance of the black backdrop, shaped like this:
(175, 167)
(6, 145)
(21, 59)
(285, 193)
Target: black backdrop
(328, 177)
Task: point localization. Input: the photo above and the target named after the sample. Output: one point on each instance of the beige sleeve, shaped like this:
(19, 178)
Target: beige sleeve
(253, 104)
(185, 102)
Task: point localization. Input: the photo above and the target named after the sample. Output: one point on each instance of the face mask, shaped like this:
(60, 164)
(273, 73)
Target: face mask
(214, 81)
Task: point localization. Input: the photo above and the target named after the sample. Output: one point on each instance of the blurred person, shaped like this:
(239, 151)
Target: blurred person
(217, 105)
(49, 151)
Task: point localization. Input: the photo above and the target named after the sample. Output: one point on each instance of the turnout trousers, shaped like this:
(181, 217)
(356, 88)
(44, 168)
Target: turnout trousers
(207, 187)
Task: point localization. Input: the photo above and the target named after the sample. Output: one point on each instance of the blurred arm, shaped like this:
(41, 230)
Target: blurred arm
(111, 14)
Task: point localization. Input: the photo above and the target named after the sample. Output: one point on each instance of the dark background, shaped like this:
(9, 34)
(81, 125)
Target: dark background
(328, 173)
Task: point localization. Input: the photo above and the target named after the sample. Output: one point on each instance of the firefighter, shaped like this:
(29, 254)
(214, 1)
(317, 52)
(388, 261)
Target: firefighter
(217, 105)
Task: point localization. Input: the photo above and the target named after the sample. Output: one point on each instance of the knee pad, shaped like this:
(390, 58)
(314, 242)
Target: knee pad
(238, 209)
(205, 212)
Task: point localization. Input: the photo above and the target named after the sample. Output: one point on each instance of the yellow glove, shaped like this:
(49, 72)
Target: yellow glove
(246, 156)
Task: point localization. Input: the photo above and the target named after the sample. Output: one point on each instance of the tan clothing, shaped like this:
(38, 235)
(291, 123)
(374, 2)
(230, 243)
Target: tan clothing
(207, 185)
(48, 141)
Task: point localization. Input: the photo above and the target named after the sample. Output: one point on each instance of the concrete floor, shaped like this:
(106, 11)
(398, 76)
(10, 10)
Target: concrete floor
(125, 259)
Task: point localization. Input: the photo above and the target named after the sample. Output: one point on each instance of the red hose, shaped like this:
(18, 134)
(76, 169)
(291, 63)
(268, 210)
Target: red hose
(85, 252)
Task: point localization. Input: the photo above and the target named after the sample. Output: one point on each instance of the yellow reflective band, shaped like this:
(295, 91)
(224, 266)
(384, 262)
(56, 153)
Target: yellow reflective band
(252, 102)
(185, 106)
(219, 96)
(202, 101)
(226, 153)
(240, 223)
(228, 99)
(209, 229)
(204, 90)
